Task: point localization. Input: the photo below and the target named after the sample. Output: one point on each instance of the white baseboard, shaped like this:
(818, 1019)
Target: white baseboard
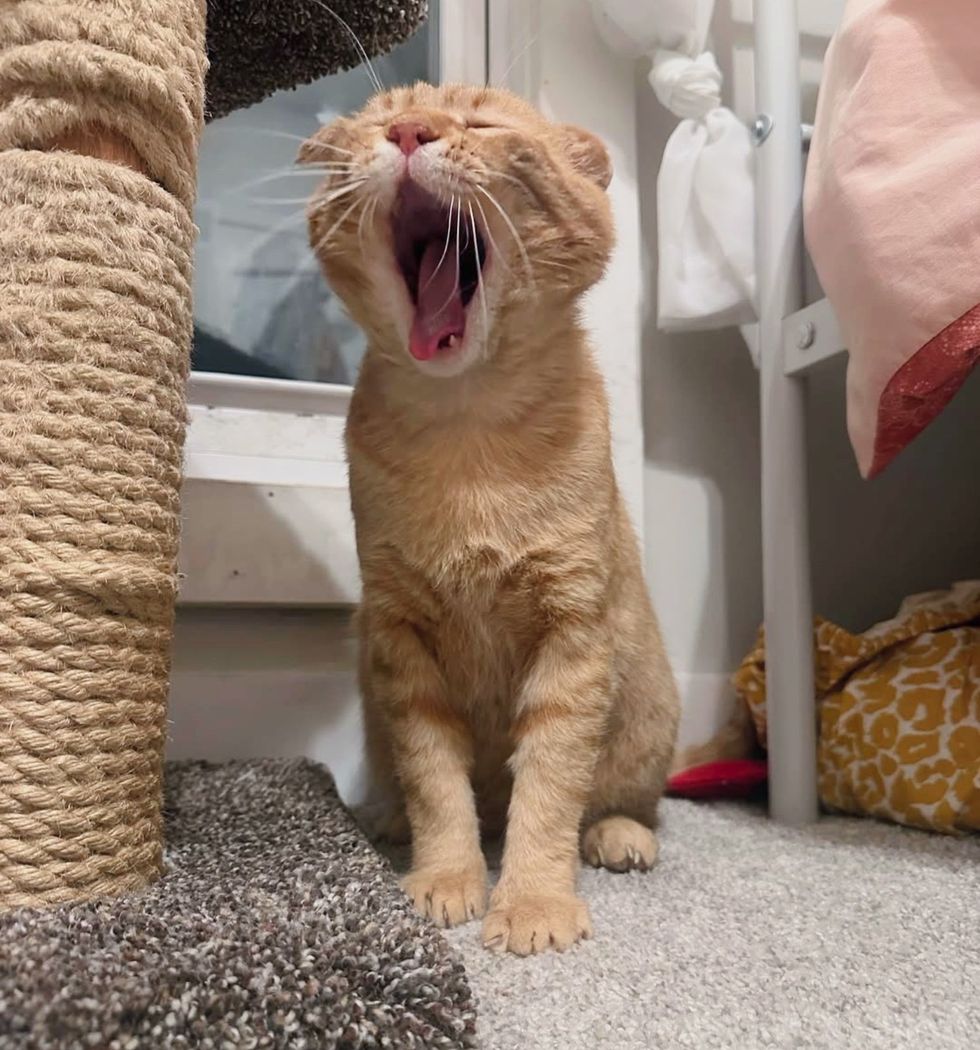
(268, 683)
(707, 701)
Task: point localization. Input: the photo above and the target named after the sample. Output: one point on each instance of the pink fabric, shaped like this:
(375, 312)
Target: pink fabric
(892, 208)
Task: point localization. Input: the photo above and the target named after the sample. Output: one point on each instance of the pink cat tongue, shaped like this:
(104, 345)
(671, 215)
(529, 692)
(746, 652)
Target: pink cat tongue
(440, 313)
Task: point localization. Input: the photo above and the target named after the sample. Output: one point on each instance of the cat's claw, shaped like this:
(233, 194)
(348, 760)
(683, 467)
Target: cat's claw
(448, 898)
(620, 844)
(527, 925)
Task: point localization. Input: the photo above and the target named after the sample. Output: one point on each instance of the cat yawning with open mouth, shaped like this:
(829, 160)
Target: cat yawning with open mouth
(512, 670)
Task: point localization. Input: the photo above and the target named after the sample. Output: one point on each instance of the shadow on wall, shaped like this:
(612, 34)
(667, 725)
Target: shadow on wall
(701, 433)
(250, 683)
(915, 528)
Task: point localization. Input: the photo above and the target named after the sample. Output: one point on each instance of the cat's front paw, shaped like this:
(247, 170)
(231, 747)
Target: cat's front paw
(448, 897)
(620, 844)
(526, 924)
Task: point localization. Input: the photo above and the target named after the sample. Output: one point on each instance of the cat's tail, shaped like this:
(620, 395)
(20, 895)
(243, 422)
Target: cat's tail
(736, 739)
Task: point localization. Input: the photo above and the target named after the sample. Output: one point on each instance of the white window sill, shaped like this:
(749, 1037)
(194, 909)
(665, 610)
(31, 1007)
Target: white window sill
(265, 504)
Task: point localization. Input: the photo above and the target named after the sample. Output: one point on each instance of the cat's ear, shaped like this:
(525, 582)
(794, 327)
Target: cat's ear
(587, 153)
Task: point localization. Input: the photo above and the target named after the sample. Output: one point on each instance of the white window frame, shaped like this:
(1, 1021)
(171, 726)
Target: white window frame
(266, 508)
(266, 515)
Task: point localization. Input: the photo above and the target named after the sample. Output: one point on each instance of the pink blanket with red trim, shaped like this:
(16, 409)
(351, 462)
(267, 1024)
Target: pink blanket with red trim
(892, 208)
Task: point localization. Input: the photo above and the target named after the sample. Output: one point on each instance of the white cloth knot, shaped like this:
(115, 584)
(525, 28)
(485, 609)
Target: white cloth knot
(689, 87)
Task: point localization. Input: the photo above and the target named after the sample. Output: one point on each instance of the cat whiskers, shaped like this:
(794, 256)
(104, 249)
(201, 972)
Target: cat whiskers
(455, 288)
(445, 248)
(274, 176)
(334, 193)
(279, 200)
(325, 240)
(494, 173)
(479, 271)
(370, 206)
(501, 82)
(275, 133)
(459, 217)
(308, 171)
(317, 201)
(369, 68)
(513, 232)
(497, 253)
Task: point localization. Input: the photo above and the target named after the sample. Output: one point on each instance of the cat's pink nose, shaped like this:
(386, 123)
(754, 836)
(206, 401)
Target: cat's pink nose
(408, 135)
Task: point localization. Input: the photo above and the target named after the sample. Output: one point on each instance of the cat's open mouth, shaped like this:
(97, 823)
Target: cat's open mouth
(441, 254)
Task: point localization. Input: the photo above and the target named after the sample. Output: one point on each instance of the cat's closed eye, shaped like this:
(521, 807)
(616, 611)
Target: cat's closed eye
(480, 125)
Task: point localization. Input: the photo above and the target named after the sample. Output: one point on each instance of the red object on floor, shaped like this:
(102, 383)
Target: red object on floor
(735, 778)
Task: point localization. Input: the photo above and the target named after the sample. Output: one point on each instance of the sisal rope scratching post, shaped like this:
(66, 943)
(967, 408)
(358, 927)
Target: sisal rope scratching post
(95, 330)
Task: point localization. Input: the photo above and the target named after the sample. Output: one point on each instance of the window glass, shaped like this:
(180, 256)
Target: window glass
(261, 306)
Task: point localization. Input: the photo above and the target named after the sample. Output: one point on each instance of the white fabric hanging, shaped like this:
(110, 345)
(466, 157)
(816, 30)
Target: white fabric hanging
(705, 189)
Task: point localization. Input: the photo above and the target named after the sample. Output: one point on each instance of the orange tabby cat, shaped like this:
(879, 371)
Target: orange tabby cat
(511, 664)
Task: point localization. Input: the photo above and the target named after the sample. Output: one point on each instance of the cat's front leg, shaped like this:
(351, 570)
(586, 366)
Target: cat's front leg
(559, 726)
(432, 748)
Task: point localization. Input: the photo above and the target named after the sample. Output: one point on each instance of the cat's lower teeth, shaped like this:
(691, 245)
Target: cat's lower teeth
(453, 342)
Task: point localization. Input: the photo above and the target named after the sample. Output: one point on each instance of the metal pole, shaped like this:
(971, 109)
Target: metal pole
(785, 531)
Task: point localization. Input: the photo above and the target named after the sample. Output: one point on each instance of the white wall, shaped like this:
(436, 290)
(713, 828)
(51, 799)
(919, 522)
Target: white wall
(252, 683)
(913, 529)
(580, 81)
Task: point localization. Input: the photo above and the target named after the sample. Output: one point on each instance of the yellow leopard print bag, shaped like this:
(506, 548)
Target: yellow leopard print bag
(899, 710)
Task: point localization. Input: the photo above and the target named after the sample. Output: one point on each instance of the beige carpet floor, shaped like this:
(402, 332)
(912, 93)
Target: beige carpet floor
(850, 934)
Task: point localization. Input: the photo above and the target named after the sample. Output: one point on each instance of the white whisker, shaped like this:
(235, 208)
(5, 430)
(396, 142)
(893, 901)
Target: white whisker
(302, 139)
(336, 149)
(372, 201)
(486, 226)
(513, 231)
(512, 179)
(283, 173)
(260, 131)
(324, 241)
(459, 217)
(318, 203)
(321, 166)
(330, 146)
(352, 184)
(502, 82)
(445, 247)
(277, 200)
(479, 271)
(456, 286)
(372, 73)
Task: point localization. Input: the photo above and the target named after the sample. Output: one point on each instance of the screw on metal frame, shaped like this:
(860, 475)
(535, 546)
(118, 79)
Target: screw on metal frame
(761, 128)
(806, 336)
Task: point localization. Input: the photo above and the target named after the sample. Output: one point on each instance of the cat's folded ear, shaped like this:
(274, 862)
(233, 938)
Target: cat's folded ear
(587, 153)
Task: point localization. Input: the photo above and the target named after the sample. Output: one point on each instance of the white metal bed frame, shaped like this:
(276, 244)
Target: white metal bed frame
(791, 339)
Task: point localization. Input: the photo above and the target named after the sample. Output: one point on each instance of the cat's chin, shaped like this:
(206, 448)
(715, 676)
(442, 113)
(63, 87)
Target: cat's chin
(447, 363)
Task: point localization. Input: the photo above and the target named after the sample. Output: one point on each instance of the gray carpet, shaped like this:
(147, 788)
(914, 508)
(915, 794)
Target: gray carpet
(276, 925)
(747, 935)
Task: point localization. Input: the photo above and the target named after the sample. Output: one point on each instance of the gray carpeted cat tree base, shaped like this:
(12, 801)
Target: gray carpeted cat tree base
(275, 924)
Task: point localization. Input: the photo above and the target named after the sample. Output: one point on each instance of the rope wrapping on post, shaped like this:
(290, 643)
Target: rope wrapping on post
(95, 333)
